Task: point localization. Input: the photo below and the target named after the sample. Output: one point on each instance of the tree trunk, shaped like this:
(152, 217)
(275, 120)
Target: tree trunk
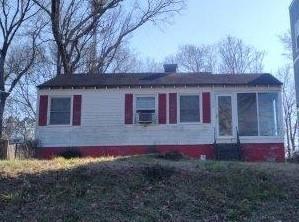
(58, 63)
(2, 94)
(288, 138)
(62, 52)
(3, 98)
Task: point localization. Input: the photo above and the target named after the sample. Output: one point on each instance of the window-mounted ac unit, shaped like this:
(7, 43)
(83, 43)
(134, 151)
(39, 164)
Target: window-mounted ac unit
(145, 118)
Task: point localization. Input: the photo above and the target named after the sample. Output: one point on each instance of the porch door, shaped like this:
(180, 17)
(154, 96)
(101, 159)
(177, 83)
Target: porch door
(224, 116)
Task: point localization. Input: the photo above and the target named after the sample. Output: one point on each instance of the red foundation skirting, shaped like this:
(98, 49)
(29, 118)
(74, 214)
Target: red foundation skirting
(263, 152)
(191, 150)
(250, 152)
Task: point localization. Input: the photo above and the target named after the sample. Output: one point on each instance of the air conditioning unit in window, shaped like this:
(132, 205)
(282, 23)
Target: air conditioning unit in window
(145, 118)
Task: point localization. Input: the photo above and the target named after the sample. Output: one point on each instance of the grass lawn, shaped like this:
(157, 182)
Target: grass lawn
(147, 188)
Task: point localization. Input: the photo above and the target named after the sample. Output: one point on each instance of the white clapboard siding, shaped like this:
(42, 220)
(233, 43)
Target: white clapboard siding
(102, 121)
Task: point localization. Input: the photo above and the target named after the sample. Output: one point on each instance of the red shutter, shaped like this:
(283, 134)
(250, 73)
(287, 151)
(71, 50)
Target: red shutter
(172, 108)
(77, 101)
(206, 107)
(129, 109)
(43, 110)
(162, 108)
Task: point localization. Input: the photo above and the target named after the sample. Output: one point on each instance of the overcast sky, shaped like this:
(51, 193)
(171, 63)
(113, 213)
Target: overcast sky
(257, 22)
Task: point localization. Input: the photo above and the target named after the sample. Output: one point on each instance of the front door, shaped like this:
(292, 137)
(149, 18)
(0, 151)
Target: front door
(224, 116)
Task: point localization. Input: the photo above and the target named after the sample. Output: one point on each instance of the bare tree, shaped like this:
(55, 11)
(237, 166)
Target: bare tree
(149, 65)
(16, 126)
(192, 58)
(286, 40)
(289, 109)
(15, 16)
(124, 61)
(237, 57)
(24, 95)
(21, 104)
(74, 22)
(230, 55)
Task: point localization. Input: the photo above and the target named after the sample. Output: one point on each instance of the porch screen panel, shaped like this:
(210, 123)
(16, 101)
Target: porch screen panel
(247, 114)
(268, 114)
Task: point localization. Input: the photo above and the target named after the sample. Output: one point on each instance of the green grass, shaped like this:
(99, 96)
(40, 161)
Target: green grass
(147, 189)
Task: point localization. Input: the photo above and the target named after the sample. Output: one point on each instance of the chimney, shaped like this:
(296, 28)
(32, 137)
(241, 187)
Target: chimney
(170, 67)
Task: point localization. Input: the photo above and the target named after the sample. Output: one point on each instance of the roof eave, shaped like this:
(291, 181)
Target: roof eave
(41, 87)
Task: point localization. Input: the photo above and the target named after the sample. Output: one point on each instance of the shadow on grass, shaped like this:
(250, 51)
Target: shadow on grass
(147, 189)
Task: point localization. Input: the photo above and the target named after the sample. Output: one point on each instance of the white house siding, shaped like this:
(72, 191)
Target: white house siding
(102, 120)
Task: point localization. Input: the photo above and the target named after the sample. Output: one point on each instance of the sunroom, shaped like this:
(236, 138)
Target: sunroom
(249, 116)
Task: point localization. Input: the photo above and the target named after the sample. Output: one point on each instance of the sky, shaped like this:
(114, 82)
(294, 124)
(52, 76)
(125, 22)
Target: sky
(256, 22)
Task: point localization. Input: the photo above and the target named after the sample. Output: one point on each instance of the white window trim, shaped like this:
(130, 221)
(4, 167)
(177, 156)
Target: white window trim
(217, 116)
(135, 96)
(179, 108)
(49, 110)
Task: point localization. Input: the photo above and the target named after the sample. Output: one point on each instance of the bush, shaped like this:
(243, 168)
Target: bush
(157, 172)
(294, 158)
(174, 156)
(70, 154)
(22, 149)
(27, 150)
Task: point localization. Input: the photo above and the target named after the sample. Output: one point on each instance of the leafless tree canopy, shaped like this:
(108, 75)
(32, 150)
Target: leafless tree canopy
(74, 24)
(192, 58)
(286, 40)
(17, 28)
(236, 57)
(230, 55)
(289, 108)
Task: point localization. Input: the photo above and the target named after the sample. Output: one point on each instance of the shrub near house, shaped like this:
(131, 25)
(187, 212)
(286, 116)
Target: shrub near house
(128, 114)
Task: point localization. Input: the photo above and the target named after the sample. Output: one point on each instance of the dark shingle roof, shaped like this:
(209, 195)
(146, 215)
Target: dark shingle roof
(159, 79)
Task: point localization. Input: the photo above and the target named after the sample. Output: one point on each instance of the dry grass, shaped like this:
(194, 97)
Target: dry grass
(16, 167)
(147, 189)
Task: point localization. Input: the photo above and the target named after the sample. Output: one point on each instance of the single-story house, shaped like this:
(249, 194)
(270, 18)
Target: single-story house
(197, 114)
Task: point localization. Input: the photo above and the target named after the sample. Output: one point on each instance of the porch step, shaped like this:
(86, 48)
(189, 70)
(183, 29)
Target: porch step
(228, 152)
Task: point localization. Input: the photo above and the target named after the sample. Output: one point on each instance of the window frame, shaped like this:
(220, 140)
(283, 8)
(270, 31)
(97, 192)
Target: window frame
(49, 110)
(277, 114)
(135, 107)
(232, 112)
(237, 113)
(179, 108)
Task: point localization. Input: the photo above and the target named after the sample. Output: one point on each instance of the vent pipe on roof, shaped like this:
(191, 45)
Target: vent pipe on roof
(170, 67)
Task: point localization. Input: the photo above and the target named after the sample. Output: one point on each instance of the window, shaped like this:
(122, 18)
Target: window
(258, 119)
(247, 114)
(60, 111)
(145, 109)
(268, 115)
(225, 120)
(189, 109)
